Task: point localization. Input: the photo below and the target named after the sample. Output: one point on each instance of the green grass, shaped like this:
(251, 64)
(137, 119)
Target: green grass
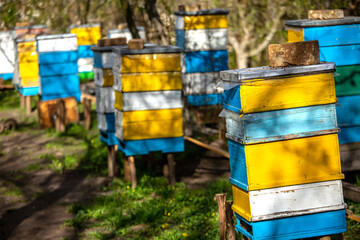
(162, 211)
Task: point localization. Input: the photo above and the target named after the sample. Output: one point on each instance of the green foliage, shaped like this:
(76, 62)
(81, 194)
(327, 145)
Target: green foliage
(9, 100)
(161, 211)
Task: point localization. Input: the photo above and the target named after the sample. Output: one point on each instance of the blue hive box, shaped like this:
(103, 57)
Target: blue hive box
(60, 87)
(206, 61)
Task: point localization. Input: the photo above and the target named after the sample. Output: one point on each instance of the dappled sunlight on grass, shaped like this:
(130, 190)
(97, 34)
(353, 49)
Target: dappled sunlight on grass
(161, 211)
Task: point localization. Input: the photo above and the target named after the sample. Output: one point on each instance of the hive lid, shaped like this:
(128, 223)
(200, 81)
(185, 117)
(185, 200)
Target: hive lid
(216, 11)
(148, 49)
(55, 36)
(317, 23)
(240, 75)
(96, 48)
(30, 27)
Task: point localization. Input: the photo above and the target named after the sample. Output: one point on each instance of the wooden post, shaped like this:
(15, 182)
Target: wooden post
(220, 198)
(28, 104)
(127, 176)
(132, 171)
(230, 221)
(22, 101)
(60, 116)
(113, 169)
(87, 113)
(171, 169)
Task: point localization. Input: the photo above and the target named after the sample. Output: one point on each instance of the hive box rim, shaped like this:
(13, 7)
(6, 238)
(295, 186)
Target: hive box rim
(215, 11)
(319, 23)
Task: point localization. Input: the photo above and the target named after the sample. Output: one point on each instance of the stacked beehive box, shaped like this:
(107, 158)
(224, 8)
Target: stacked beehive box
(284, 151)
(202, 35)
(26, 74)
(58, 77)
(105, 96)
(148, 106)
(87, 36)
(116, 33)
(58, 66)
(340, 43)
(7, 55)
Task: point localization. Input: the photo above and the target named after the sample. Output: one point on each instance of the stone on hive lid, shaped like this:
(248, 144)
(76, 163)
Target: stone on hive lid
(326, 14)
(136, 43)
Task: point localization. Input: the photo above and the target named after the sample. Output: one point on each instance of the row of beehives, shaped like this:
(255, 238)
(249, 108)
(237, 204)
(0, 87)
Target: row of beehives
(87, 36)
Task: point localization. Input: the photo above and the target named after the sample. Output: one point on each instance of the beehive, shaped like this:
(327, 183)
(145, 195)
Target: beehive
(26, 74)
(58, 66)
(202, 35)
(284, 151)
(87, 36)
(339, 42)
(148, 106)
(7, 55)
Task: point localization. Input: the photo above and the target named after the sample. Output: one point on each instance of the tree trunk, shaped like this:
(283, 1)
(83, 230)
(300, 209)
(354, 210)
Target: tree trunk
(127, 11)
(157, 24)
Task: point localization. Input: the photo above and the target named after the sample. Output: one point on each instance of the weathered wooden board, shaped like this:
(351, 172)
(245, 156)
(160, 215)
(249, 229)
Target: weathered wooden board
(327, 35)
(201, 83)
(22, 31)
(136, 43)
(29, 82)
(294, 53)
(26, 46)
(57, 57)
(206, 61)
(85, 64)
(350, 154)
(87, 34)
(260, 95)
(348, 111)
(27, 57)
(143, 147)
(347, 82)
(147, 63)
(308, 160)
(7, 54)
(140, 82)
(84, 51)
(136, 101)
(349, 134)
(106, 122)
(29, 70)
(281, 124)
(108, 138)
(351, 192)
(56, 43)
(266, 204)
(203, 21)
(103, 77)
(105, 99)
(202, 39)
(205, 99)
(58, 69)
(149, 124)
(103, 59)
(60, 86)
(47, 109)
(298, 227)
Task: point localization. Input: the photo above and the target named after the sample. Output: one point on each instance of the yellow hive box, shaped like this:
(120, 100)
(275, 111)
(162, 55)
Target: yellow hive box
(295, 35)
(108, 78)
(30, 82)
(259, 95)
(28, 57)
(87, 35)
(146, 63)
(26, 46)
(29, 70)
(285, 163)
(205, 22)
(149, 124)
(140, 82)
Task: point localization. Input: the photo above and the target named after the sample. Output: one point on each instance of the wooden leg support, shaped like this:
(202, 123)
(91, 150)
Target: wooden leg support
(113, 169)
(28, 104)
(60, 116)
(221, 198)
(132, 171)
(230, 221)
(22, 101)
(171, 168)
(127, 176)
(87, 113)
